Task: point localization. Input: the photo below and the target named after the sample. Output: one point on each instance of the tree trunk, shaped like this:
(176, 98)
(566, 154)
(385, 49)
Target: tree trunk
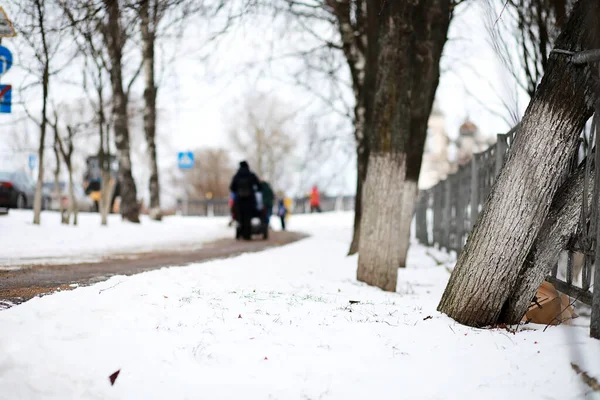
(556, 232)
(352, 21)
(57, 192)
(69, 211)
(72, 203)
(488, 267)
(104, 156)
(362, 158)
(404, 57)
(148, 28)
(106, 193)
(114, 43)
(378, 257)
(37, 201)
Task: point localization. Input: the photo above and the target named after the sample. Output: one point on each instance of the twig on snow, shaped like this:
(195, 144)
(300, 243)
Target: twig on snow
(116, 284)
(587, 379)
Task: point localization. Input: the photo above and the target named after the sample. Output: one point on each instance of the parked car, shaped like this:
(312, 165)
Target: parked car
(83, 202)
(17, 190)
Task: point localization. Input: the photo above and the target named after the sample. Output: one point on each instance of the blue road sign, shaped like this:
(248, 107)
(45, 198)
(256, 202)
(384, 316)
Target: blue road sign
(6, 60)
(33, 161)
(185, 160)
(5, 99)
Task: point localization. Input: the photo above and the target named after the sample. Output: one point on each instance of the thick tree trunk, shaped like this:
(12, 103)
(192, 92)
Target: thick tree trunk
(488, 267)
(404, 57)
(378, 257)
(556, 232)
(148, 28)
(114, 43)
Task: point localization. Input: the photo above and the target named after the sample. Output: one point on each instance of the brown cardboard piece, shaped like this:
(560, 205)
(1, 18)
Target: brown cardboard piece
(550, 308)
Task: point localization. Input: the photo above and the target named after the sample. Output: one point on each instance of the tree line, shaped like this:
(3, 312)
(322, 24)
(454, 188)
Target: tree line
(115, 42)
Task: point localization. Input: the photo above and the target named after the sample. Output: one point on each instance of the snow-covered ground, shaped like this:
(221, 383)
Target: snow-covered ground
(23, 243)
(279, 325)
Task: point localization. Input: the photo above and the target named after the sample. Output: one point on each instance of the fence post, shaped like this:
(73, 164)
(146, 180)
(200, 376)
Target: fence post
(474, 189)
(421, 218)
(500, 154)
(338, 203)
(595, 318)
(211, 209)
(447, 213)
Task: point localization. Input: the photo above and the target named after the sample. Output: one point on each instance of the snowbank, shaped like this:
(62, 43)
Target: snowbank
(279, 325)
(24, 243)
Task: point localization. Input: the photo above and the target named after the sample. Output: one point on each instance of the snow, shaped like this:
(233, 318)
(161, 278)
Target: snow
(279, 325)
(24, 243)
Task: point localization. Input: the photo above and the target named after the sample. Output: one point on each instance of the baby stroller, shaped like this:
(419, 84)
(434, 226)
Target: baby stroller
(258, 225)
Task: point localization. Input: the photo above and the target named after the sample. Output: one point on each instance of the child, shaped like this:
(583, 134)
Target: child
(282, 212)
(231, 209)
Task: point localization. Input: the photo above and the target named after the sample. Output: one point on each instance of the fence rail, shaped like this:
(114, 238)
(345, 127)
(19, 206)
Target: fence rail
(446, 213)
(300, 205)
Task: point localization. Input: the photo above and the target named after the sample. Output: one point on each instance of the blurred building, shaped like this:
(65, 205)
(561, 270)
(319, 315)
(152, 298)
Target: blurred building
(470, 141)
(443, 156)
(436, 164)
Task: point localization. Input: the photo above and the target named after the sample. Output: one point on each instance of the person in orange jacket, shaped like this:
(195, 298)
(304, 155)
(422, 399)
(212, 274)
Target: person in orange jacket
(315, 201)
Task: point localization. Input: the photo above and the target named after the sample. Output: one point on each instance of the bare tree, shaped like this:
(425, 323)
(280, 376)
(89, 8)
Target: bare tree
(151, 13)
(84, 29)
(102, 29)
(64, 116)
(487, 275)
(66, 153)
(115, 35)
(406, 40)
(57, 155)
(351, 17)
(39, 26)
(525, 31)
(348, 19)
(104, 126)
(211, 174)
(263, 135)
(352, 21)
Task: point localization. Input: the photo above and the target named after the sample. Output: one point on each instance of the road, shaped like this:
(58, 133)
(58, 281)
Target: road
(21, 285)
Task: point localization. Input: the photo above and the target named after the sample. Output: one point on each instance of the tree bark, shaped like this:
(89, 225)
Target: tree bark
(352, 23)
(72, 203)
(67, 155)
(148, 22)
(57, 191)
(554, 236)
(404, 57)
(488, 267)
(69, 161)
(104, 155)
(114, 42)
(37, 201)
(362, 158)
